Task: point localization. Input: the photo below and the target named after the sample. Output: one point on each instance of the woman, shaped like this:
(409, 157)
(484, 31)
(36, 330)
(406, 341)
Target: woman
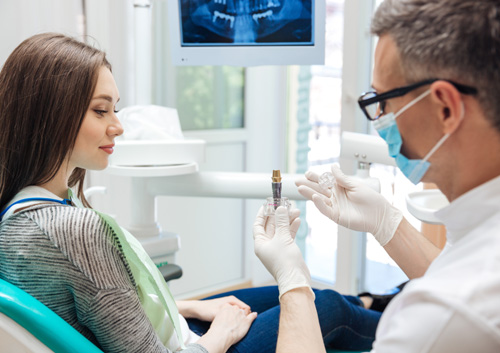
(57, 117)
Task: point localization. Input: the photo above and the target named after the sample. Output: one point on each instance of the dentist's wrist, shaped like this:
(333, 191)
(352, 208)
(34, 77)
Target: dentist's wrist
(391, 222)
(296, 278)
(303, 287)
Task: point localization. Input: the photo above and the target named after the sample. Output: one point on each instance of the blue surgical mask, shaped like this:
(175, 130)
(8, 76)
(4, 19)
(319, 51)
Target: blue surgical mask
(413, 169)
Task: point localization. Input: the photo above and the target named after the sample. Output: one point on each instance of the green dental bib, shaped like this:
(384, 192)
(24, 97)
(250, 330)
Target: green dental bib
(154, 294)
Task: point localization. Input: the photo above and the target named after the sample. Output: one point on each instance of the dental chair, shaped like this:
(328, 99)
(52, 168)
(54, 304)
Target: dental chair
(28, 326)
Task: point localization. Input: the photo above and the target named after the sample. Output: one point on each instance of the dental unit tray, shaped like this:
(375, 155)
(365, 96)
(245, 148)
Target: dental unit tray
(423, 204)
(148, 153)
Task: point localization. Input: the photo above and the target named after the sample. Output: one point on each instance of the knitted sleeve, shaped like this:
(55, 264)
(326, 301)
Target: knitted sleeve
(83, 277)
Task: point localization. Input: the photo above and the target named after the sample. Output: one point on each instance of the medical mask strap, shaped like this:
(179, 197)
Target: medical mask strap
(414, 101)
(431, 152)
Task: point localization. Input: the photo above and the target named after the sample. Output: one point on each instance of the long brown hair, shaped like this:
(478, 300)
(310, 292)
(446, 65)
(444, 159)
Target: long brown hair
(46, 86)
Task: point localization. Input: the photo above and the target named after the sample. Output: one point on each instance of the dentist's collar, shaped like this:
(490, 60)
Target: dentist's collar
(470, 209)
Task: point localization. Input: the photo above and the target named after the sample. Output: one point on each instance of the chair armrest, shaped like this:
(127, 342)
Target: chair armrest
(171, 271)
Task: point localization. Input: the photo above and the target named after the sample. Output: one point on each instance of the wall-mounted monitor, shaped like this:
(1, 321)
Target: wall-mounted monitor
(247, 32)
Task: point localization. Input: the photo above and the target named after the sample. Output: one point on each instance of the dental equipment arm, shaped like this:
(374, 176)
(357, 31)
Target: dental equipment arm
(222, 184)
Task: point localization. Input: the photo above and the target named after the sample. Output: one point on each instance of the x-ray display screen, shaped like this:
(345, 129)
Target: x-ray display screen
(246, 22)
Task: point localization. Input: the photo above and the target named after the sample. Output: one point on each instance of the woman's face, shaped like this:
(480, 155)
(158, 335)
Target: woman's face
(95, 141)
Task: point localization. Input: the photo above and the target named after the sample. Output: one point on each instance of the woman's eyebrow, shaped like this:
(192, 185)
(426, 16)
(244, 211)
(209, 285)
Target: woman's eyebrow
(106, 97)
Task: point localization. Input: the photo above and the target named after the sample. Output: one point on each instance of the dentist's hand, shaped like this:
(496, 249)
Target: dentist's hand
(274, 240)
(352, 204)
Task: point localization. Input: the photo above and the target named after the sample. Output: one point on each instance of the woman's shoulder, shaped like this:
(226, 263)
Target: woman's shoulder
(55, 218)
(63, 224)
(52, 217)
(82, 226)
(84, 237)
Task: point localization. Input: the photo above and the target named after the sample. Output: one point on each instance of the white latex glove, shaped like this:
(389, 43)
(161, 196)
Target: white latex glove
(274, 240)
(352, 204)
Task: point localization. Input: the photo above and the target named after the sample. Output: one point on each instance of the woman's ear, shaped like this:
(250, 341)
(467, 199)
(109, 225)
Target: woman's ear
(450, 104)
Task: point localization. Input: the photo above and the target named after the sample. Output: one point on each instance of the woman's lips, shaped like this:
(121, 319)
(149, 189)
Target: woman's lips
(108, 149)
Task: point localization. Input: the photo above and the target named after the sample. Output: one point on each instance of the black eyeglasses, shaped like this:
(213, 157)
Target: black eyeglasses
(373, 104)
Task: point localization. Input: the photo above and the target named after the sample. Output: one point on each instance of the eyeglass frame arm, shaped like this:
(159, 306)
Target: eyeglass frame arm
(401, 91)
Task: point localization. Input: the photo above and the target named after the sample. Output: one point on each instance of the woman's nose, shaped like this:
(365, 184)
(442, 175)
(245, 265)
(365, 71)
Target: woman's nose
(116, 128)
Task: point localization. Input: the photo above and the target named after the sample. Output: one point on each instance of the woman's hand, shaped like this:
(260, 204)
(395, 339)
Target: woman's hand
(206, 310)
(230, 324)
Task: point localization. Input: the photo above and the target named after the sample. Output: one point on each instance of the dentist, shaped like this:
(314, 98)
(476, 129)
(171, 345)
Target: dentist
(436, 80)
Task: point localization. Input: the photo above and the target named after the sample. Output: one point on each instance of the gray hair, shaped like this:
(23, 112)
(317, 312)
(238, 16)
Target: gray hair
(448, 39)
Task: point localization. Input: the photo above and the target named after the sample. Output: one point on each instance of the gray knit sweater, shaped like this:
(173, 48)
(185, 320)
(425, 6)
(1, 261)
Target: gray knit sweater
(69, 259)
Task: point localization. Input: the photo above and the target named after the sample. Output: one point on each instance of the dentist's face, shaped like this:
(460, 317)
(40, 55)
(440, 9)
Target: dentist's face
(95, 141)
(413, 123)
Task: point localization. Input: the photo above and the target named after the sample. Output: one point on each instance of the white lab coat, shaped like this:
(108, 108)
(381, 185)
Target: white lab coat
(455, 306)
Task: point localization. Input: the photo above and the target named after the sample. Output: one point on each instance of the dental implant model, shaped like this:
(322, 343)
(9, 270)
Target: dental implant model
(326, 180)
(276, 185)
(272, 203)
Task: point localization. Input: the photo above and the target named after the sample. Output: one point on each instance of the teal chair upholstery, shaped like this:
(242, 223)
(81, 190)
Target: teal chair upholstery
(41, 322)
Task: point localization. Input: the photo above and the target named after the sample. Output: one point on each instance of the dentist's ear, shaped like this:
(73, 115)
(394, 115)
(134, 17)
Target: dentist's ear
(450, 104)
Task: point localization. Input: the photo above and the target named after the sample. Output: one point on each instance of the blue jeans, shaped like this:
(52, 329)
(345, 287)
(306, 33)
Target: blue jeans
(345, 323)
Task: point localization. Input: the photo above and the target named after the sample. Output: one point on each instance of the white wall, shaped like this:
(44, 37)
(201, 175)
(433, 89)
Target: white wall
(21, 19)
(111, 24)
(108, 27)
